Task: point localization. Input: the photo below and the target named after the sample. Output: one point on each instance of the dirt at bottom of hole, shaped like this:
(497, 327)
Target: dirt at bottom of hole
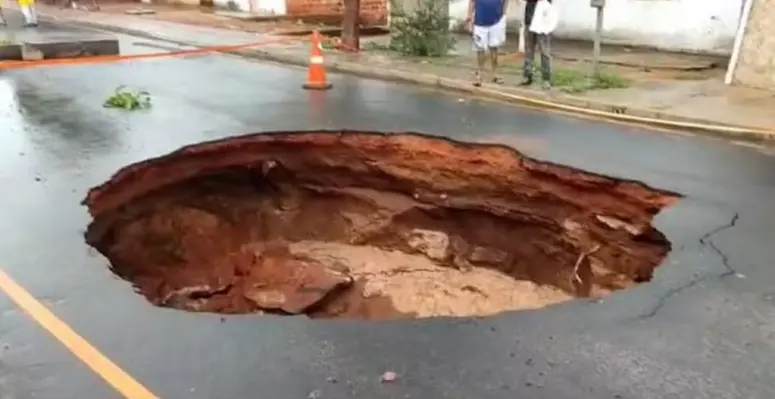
(417, 287)
(334, 280)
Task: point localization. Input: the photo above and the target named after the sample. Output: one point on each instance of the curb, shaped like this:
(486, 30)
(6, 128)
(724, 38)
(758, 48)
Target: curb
(569, 104)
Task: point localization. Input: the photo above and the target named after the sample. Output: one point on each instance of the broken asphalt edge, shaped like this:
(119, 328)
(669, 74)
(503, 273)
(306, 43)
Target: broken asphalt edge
(567, 104)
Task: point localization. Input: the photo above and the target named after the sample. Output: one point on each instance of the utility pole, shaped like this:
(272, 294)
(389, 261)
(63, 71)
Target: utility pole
(599, 5)
(351, 32)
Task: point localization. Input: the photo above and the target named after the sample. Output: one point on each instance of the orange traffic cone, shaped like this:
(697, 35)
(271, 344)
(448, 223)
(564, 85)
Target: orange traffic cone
(316, 73)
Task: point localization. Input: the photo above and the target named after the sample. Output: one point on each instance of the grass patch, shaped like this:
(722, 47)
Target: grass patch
(375, 46)
(447, 60)
(692, 76)
(571, 80)
(574, 81)
(567, 80)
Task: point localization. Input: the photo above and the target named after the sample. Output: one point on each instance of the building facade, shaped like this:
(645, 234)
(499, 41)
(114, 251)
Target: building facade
(372, 11)
(756, 61)
(696, 26)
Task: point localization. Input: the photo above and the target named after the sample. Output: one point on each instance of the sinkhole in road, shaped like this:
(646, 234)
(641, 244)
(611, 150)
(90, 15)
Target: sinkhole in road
(370, 225)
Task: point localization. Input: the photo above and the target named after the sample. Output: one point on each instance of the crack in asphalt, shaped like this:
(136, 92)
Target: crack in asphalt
(705, 240)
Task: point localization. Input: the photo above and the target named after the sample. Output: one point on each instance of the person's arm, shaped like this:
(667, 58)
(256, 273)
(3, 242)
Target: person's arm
(470, 14)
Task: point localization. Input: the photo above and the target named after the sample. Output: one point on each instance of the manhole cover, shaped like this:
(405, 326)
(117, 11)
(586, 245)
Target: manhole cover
(370, 225)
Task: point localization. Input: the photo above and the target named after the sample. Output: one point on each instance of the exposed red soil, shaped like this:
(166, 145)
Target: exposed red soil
(351, 224)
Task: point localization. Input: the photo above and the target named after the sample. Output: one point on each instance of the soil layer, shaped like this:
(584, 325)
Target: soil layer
(370, 225)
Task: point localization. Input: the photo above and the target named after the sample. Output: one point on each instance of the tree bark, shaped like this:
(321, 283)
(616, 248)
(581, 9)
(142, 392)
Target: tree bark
(351, 35)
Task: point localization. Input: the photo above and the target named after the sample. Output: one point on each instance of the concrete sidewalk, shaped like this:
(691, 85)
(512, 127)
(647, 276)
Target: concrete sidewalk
(50, 41)
(676, 91)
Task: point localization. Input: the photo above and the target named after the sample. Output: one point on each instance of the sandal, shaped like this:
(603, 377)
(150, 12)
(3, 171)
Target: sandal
(477, 79)
(497, 80)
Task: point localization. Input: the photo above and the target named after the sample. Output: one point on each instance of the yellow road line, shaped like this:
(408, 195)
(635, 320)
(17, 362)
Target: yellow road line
(639, 125)
(82, 349)
(729, 131)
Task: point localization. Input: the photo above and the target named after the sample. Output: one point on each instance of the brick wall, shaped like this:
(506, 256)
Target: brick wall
(373, 12)
(756, 65)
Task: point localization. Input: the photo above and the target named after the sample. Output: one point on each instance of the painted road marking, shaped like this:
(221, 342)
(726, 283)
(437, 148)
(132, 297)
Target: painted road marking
(633, 124)
(80, 347)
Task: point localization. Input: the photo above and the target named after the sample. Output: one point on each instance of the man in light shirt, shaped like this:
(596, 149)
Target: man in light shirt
(543, 42)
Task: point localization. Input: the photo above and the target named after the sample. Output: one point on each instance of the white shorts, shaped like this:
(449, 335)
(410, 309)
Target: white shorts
(487, 37)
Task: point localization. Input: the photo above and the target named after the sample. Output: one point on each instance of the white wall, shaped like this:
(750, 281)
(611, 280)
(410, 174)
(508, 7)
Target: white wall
(705, 26)
(242, 5)
(276, 7)
(273, 7)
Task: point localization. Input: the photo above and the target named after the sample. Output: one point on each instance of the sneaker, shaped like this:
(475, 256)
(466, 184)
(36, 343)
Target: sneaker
(546, 85)
(526, 81)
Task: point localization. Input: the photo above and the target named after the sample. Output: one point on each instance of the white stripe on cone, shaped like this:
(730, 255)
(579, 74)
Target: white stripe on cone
(316, 59)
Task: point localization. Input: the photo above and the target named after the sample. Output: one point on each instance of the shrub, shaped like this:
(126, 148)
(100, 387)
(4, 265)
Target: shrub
(423, 32)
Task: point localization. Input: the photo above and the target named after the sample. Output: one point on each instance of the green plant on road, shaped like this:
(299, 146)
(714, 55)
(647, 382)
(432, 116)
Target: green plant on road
(128, 99)
(422, 32)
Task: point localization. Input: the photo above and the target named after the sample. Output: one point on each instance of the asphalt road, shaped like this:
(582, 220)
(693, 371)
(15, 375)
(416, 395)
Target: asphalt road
(704, 328)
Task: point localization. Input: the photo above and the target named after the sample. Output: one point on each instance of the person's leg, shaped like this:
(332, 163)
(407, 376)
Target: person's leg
(530, 47)
(34, 13)
(497, 39)
(480, 36)
(545, 43)
(27, 9)
(494, 65)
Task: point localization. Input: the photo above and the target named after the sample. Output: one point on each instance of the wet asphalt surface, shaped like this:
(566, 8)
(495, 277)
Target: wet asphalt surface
(703, 328)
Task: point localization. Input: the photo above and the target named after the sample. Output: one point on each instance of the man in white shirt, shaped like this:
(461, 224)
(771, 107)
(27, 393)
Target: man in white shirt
(543, 41)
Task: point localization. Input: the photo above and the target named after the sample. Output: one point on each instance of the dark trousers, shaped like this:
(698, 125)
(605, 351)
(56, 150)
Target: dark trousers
(543, 42)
